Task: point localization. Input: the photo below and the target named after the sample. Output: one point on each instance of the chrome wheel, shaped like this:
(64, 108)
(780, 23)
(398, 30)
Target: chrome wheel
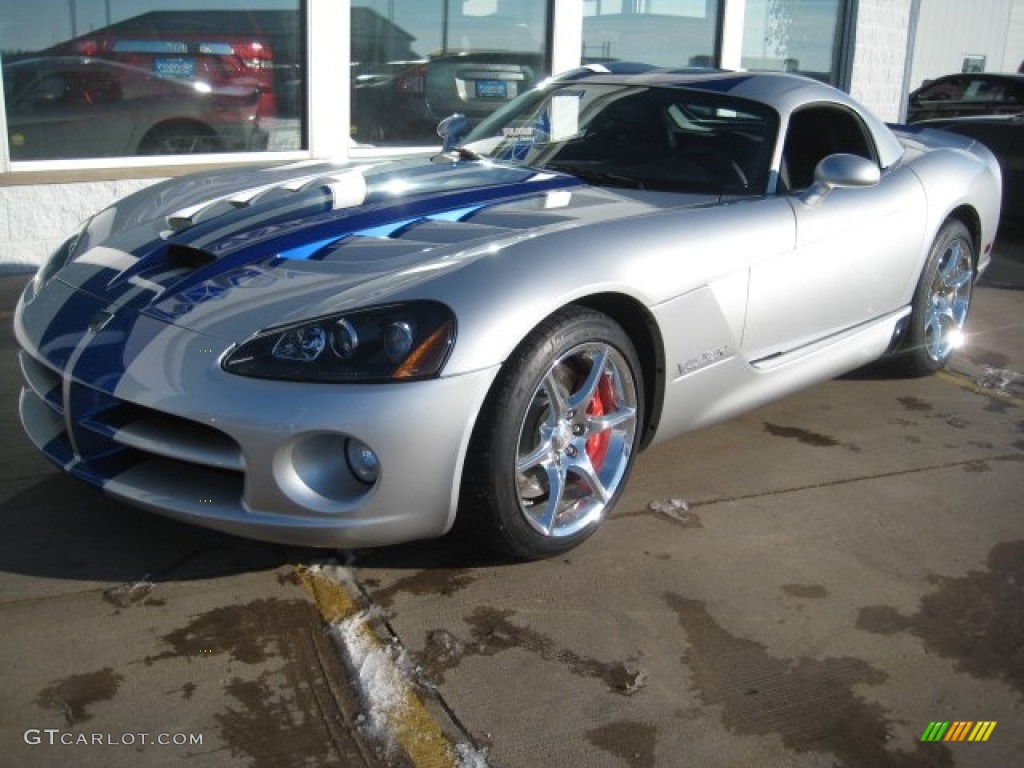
(178, 138)
(949, 301)
(942, 301)
(576, 440)
(555, 441)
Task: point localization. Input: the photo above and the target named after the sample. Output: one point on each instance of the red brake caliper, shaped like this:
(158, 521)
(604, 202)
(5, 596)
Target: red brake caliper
(602, 402)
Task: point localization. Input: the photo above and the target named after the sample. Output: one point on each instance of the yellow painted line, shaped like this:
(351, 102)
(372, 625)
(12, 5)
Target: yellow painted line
(964, 382)
(410, 724)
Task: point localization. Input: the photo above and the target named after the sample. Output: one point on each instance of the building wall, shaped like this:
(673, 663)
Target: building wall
(1013, 58)
(880, 55)
(36, 218)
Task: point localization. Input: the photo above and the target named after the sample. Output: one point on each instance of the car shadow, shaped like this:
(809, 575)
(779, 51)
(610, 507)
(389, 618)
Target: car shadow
(59, 528)
(1006, 270)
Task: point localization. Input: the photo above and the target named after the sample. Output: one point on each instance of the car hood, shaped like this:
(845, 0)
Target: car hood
(230, 253)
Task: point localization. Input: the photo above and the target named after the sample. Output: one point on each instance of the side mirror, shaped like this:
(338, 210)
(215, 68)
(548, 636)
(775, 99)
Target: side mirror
(452, 130)
(841, 171)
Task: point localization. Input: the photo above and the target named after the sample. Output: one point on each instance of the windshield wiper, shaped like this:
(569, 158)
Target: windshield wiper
(457, 154)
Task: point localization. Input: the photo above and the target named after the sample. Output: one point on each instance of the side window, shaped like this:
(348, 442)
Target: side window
(56, 88)
(950, 89)
(813, 134)
(981, 89)
(99, 87)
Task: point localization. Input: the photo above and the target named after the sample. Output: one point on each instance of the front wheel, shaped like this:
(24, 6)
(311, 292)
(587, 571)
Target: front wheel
(941, 303)
(556, 438)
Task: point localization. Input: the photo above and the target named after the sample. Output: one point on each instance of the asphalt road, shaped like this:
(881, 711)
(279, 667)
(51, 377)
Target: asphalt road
(812, 584)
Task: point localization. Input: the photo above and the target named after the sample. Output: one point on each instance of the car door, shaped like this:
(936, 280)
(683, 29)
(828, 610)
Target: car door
(70, 111)
(856, 250)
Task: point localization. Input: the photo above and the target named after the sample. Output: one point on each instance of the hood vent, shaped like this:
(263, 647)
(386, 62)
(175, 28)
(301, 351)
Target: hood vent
(346, 190)
(187, 257)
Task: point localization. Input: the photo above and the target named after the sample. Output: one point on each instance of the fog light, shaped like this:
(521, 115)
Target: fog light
(362, 461)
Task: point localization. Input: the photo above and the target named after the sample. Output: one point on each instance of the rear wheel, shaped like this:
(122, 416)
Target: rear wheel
(556, 439)
(941, 303)
(179, 138)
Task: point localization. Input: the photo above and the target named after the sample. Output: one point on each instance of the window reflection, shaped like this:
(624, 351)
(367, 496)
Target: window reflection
(119, 78)
(792, 36)
(666, 33)
(416, 62)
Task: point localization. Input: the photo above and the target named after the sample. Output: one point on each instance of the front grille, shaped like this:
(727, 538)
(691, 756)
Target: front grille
(99, 437)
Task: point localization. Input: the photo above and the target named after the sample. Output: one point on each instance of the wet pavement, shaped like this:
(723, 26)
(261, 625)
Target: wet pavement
(811, 584)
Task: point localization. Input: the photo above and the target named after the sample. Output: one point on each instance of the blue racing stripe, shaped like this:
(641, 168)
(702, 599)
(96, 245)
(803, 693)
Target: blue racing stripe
(309, 250)
(380, 220)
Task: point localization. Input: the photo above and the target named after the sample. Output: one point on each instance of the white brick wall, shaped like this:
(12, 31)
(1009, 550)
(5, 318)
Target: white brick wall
(36, 218)
(880, 56)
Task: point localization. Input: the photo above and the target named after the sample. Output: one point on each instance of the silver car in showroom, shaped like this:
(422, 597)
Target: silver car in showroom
(370, 352)
(77, 106)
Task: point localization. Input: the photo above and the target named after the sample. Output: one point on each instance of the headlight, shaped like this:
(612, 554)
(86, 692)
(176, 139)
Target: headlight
(395, 342)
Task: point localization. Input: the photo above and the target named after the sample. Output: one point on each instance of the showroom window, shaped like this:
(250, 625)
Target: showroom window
(666, 33)
(801, 36)
(414, 62)
(127, 78)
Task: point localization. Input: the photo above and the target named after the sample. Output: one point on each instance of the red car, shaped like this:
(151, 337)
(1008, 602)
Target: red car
(218, 61)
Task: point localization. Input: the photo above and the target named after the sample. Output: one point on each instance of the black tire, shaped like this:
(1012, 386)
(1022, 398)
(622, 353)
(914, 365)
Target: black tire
(942, 302)
(179, 138)
(556, 438)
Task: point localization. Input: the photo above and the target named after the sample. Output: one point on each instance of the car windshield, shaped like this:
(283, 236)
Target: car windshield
(663, 138)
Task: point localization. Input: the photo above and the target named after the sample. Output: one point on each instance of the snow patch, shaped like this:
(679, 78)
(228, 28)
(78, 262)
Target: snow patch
(381, 683)
(670, 507)
(383, 673)
(999, 379)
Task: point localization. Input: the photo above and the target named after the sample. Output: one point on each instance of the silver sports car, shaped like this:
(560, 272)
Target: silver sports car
(358, 354)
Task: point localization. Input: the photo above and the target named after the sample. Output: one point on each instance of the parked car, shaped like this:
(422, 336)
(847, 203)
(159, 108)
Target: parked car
(482, 63)
(75, 106)
(404, 101)
(219, 60)
(980, 93)
(358, 354)
(1004, 135)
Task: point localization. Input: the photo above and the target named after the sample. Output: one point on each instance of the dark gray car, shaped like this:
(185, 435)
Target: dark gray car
(978, 93)
(1004, 135)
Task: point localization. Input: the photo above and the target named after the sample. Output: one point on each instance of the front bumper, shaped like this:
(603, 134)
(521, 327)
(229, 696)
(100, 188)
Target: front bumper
(143, 410)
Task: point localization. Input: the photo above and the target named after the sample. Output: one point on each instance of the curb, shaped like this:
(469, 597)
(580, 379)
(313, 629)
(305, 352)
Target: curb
(967, 380)
(399, 720)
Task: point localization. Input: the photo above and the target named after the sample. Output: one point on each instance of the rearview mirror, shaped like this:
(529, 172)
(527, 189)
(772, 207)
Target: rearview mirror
(452, 130)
